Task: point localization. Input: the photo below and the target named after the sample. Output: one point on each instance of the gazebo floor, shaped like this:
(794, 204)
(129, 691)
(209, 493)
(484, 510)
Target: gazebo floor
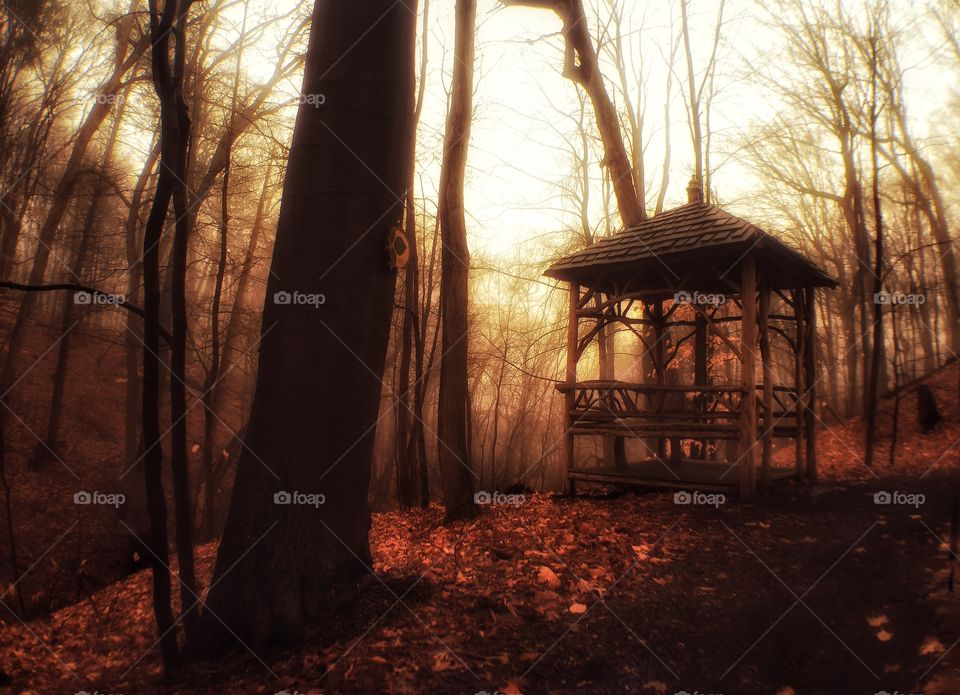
(690, 474)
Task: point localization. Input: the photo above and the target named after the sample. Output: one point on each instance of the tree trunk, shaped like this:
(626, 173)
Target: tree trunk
(134, 511)
(160, 29)
(408, 424)
(877, 356)
(178, 120)
(285, 556)
(455, 466)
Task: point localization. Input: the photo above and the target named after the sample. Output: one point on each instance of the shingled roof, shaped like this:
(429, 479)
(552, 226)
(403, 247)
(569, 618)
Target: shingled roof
(694, 246)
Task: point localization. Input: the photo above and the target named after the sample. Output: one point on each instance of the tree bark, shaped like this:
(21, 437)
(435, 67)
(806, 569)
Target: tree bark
(452, 424)
(311, 428)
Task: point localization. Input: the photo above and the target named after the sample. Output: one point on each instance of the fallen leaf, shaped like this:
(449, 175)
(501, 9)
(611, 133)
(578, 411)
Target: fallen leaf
(578, 608)
(441, 662)
(548, 576)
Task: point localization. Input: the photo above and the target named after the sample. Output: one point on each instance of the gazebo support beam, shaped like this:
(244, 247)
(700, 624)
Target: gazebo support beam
(799, 374)
(810, 367)
(659, 366)
(748, 403)
(768, 421)
(700, 359)
(571, 378)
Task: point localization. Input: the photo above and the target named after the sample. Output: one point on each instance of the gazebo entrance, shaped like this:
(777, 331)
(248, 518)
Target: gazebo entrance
(725, 315)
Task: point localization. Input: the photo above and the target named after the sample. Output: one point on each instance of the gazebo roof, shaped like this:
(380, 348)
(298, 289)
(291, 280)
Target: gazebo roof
(694, 246)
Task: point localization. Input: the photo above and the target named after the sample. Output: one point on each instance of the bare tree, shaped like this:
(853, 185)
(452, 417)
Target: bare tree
(453, 409)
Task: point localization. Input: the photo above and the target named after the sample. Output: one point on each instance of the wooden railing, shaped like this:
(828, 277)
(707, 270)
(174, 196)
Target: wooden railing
(677, 411)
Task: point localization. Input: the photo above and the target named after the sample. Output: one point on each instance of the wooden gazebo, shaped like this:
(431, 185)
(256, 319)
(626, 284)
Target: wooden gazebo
(694, 273)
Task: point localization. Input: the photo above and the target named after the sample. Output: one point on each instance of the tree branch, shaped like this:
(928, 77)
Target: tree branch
(75, 287)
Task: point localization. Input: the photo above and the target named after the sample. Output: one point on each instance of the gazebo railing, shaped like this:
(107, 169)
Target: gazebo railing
(629, 409)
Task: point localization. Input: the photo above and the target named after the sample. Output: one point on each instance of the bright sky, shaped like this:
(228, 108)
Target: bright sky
(518, 157)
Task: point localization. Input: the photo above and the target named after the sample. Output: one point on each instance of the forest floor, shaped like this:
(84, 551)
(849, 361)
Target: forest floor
(803, 592)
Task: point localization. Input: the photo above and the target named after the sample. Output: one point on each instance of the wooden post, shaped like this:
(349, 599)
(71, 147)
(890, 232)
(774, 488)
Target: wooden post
(748, 403)
(571, 378)
(800, 366)
(659, 360)
(767, 385)
(700, 358)
(605, 354)
(810, 305)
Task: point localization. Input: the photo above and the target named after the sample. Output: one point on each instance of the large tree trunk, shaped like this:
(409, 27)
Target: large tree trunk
(452, 425)
(311, 428)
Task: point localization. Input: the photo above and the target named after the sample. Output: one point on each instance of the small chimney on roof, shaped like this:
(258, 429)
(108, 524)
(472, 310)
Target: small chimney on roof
(694, 190)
